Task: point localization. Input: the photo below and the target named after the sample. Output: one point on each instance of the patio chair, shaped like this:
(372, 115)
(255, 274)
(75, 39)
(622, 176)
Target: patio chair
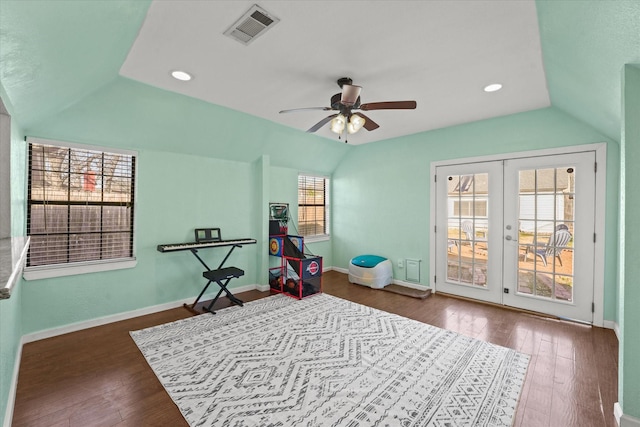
(554, 247)
(467, 229)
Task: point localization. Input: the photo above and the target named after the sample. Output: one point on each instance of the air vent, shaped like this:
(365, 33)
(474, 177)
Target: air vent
(251, 25)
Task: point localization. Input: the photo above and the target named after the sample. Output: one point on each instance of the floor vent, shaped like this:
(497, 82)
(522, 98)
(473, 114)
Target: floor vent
(251, 25)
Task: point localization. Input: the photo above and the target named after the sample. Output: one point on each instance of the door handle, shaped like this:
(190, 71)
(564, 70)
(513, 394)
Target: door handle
(510, 238)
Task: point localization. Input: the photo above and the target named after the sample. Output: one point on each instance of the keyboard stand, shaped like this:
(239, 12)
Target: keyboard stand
(222, 276)
(218, 276)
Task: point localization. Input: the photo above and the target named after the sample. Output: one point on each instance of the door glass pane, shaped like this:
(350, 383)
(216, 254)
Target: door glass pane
(546, 200)
(467, 228)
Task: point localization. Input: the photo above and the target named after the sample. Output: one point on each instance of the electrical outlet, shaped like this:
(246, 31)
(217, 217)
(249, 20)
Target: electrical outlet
(400, 263)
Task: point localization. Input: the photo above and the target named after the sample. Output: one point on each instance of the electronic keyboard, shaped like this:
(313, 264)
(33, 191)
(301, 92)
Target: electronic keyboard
(171, 247)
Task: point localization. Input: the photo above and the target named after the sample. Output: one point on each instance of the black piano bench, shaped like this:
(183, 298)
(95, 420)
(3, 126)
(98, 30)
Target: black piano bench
(223, 274)
(222, 277)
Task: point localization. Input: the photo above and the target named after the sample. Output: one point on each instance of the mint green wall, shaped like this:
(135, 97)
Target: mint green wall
(629, 372)
(284, 189)
(128, 114)
(381, 190)
(584, 45)
(56, 52)
(192, 172)
(175, 194)
(11, 329)
(261, 215)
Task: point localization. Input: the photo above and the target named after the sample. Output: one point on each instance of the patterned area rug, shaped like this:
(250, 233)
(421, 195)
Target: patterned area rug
(325, 361)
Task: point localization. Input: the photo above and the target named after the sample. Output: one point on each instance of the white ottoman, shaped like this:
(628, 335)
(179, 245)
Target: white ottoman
(370, 270)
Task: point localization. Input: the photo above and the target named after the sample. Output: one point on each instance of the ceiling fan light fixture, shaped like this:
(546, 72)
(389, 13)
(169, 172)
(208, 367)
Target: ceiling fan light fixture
(338, 123)
(355, 123)
(494, 87)
(344, 104)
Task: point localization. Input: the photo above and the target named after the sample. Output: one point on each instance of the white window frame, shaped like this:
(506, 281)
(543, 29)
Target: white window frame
(327, 198)
(5, 172)
(60, 270)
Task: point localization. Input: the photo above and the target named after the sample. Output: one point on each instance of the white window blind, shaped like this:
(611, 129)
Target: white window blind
(80, 204)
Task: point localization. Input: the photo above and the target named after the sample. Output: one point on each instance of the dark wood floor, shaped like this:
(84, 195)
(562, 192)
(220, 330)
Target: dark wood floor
(98, 377)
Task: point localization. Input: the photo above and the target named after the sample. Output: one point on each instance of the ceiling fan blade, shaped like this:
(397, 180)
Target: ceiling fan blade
(391, 105)
(321, 123)
(368, 123)
(305, 109)
(350, 94)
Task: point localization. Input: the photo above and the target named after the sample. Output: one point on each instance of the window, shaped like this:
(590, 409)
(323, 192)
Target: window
(79, 205)
(470, 208)
(313, 206)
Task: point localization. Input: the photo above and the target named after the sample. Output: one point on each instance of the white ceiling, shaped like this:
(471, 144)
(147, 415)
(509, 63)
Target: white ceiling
(438, 53)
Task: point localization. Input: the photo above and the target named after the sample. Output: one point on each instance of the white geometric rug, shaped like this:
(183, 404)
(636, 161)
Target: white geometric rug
(325, 361)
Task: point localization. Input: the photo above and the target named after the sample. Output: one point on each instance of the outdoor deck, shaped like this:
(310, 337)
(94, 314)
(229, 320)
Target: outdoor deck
(469, 265)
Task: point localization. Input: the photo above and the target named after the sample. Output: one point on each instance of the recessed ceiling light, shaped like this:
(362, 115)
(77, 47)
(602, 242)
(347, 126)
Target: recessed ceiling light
(181, 75)
(493, 87)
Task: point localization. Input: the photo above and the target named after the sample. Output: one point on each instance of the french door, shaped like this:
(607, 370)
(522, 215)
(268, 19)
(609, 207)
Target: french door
(519, 232)
(469, 207)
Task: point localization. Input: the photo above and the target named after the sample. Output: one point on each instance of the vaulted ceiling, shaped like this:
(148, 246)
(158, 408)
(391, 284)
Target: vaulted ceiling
(569, 54)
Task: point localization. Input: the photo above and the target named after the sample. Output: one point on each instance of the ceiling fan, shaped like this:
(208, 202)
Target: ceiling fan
(346, 104)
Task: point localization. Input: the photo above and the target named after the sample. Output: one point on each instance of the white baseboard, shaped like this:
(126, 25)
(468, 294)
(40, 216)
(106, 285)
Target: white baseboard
(262, 288)
(395, 282)
(73, 327)
(610, 324)
(11, 398)
(622, 419)
(617, 412)
(628, 421)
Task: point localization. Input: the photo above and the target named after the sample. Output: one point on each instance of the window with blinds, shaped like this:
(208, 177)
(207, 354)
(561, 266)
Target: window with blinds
(80, 205)
(313, 206)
